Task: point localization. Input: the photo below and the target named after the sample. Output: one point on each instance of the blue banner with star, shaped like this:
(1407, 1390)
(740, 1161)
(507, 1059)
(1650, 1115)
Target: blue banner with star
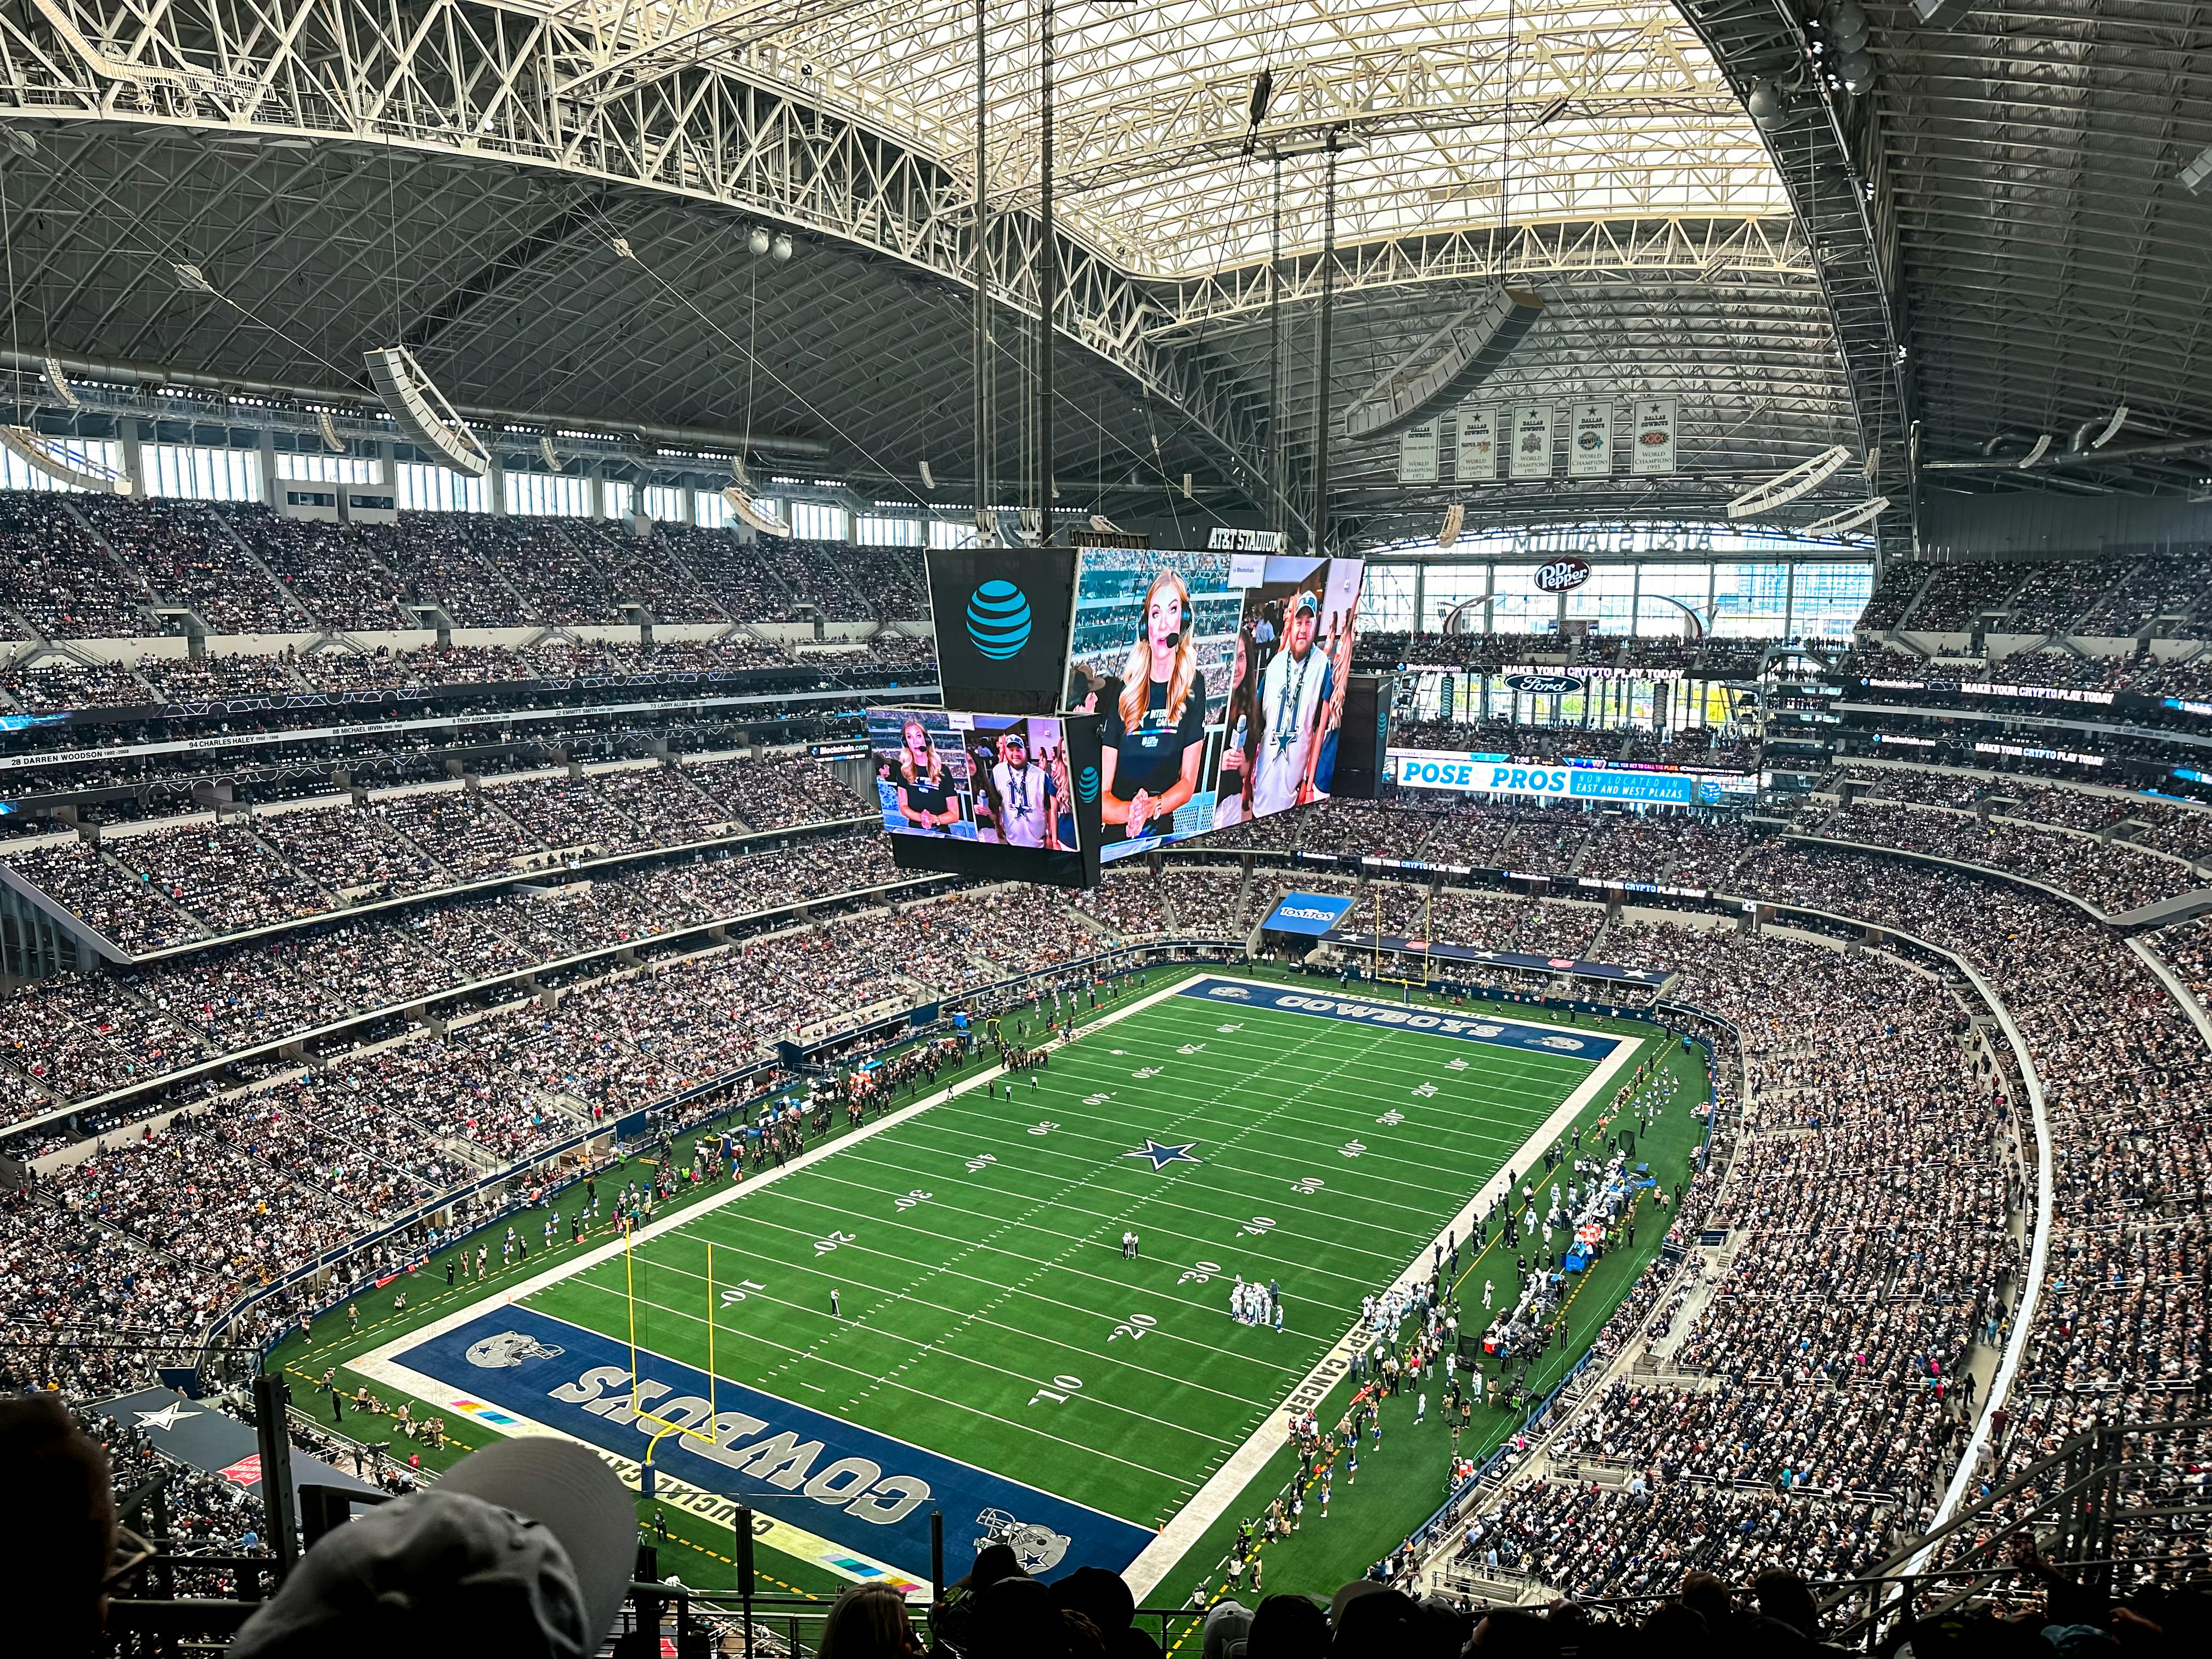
(1467, 1027)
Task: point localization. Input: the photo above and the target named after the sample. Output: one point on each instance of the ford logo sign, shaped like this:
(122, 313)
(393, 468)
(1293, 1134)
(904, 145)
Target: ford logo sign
(1561, 574)
(1545, 685)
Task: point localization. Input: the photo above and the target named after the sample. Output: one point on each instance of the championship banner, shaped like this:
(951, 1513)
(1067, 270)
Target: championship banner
(1532, 442)
(1417, 454)
(1652, 444)
(1589, 445)
(1478, 444)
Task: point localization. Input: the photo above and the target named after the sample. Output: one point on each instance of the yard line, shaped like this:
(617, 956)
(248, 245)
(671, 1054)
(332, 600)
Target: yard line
(1157, 1197)
(973, 1411)
(858, 1322)
(1322, 1147)
(1097, 1113)
(938, 1307)
(995, 1284)
(1080, 1273)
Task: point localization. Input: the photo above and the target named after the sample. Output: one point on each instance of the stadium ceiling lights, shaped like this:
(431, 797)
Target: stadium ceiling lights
(1447, 366)
(739, 495)
(1799, 479)
(749, 510)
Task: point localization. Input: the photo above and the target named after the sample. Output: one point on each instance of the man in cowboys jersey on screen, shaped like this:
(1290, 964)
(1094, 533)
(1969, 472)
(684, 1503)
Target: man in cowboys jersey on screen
(1028, 795)
(1298, 681)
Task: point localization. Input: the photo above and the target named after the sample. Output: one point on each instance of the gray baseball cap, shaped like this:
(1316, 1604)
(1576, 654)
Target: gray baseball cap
(525, 1548)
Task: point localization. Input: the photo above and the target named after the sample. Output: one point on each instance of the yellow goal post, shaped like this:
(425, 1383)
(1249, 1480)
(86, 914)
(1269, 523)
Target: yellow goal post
(700, 1429)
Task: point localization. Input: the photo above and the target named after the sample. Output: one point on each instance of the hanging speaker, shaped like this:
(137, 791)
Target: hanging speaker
(1454, 518)
(429, 422)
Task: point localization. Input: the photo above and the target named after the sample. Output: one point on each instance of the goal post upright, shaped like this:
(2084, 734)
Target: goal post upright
(663, 1426)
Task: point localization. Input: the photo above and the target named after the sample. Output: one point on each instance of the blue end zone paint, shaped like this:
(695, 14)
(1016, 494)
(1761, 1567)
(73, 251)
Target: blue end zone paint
(849, 1485)
(1469, 1027)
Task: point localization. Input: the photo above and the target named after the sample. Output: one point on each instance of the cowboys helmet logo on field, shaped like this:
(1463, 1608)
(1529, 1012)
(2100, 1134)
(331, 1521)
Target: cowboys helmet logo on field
(1561, 1042)
(509, 1349)
(1037, 1548)
(1237, 991)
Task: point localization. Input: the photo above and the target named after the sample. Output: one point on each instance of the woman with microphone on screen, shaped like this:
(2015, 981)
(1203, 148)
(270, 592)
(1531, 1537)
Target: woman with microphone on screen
(1153, 740)
(923, 800)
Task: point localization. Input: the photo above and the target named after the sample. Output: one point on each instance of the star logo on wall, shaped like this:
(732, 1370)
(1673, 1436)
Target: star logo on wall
(1162, 1156)
(166, 1417)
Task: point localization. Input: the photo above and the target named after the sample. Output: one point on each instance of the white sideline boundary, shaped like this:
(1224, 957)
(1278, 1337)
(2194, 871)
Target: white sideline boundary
(1222, 1488)
(1145, 1574)
(689, 1212)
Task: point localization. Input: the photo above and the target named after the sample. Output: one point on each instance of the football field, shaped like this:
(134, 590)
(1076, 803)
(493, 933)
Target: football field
(992, 1353)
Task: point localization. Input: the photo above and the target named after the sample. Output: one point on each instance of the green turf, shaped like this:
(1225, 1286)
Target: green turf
(1404, 1480)
(1003, 1271)
(960, 1307)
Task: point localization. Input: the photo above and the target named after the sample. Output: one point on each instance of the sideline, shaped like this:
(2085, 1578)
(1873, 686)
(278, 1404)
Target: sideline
(684, 1215)
(1212, 1500)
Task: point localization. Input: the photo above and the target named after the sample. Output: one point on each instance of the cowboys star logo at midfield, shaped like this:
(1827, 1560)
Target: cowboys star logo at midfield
(1165, 1153)
(509, 1349)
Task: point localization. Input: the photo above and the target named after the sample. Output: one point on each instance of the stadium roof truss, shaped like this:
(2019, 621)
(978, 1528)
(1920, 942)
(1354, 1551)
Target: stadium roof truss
(1549, 142)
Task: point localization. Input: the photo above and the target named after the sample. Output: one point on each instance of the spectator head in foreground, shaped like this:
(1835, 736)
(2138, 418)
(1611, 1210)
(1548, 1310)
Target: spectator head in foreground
(57, 1528)
(1287, 1627)
(869, 1622)
(525, 1548)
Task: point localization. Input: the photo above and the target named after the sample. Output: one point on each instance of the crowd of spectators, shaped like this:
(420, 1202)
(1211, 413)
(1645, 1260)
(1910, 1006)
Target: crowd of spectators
(56, 576)
(1867, 1212)
(77, 1036)
(1869, 1194)
(431, 554)
(2184, 831)
(53, 684)
(1479, 920)
(774, 791)
(1182, 898)
(327, 568)
(189, 558)
(2112, 875)
(643, 569)
(1709, 658)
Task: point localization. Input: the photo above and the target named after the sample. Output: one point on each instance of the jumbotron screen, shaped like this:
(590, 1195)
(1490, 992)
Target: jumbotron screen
(1013, 796)
(1219, 679)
